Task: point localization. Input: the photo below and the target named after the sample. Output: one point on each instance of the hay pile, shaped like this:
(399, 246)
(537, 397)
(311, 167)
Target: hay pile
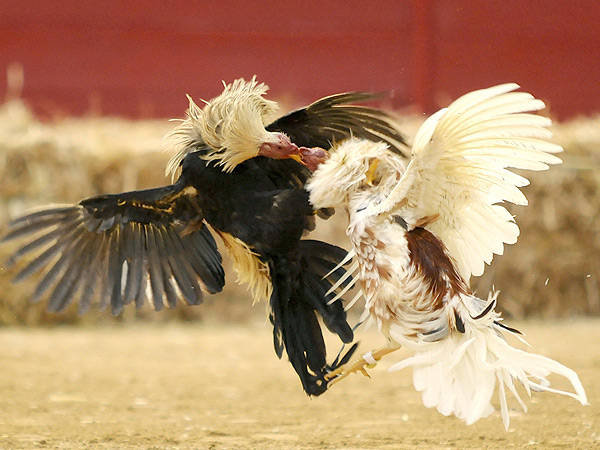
(552, 271)
(554, 268)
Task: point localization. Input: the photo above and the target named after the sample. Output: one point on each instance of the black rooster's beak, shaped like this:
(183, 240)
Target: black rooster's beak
(297, 157)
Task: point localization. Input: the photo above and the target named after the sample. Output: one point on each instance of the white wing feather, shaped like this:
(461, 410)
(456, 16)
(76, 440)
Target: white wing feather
(459, 171)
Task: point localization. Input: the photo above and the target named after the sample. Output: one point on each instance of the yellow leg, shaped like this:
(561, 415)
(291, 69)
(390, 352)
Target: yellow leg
(369, 360)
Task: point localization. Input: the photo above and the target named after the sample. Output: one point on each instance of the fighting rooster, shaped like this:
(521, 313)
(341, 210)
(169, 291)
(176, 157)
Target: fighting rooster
(419, 231)
(111, 249)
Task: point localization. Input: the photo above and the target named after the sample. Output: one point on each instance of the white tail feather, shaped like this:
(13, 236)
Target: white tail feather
(346, 259)
(352, 302)
(458, 374)
(349, 273)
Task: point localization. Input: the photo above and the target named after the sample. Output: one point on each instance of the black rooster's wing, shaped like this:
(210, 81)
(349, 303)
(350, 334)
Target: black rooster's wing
(111, 247)
(333, 119)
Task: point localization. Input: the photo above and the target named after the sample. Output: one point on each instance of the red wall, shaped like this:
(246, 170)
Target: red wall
(550, 47)
(140, 58)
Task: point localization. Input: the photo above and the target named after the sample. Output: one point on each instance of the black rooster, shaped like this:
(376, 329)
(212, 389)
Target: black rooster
(110, 249)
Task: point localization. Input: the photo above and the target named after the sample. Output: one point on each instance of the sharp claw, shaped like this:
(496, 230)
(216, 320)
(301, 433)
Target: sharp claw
(332, 375)
(367, 361)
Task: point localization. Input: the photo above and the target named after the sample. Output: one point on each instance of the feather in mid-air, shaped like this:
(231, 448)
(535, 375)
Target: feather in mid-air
(112, 249)
(420, 230)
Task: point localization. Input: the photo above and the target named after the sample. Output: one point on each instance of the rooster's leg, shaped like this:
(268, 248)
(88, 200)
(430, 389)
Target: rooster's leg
(368, 360)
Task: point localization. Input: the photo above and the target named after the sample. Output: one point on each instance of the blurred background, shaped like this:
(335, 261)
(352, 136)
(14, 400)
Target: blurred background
(88, 88)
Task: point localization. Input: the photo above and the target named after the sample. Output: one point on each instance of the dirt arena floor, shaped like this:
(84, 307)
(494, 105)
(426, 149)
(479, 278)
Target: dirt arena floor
(205, 386)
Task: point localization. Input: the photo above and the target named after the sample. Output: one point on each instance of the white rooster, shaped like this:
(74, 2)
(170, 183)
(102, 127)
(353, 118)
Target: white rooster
(420, 231)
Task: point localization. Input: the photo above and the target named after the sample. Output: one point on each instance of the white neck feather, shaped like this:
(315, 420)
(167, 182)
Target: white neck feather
(348, 165)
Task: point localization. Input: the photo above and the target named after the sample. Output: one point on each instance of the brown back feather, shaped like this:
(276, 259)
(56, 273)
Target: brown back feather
(430, 257)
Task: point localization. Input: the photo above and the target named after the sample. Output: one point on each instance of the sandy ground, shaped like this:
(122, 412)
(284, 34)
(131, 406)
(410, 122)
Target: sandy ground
(205, 386)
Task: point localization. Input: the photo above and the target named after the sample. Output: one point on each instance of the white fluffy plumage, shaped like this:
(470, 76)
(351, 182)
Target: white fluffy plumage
(419, 233)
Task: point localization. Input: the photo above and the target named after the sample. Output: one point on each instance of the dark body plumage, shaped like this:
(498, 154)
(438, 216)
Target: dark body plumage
(113, 248)
(271, 219)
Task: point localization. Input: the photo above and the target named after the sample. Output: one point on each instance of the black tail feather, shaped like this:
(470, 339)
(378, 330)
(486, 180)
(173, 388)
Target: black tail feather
(299, 297)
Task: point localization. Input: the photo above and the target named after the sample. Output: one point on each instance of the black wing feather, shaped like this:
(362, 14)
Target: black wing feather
(332, 119)
(108, 247)
(90, 280)
(183, 273)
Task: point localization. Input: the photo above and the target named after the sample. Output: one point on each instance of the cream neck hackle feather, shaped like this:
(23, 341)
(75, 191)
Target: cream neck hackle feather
(232, 125)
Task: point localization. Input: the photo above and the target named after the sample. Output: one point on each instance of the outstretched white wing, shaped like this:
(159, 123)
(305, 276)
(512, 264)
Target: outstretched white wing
(458, 173)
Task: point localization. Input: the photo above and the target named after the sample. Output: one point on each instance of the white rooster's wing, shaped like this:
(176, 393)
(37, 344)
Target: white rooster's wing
(458, 173)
